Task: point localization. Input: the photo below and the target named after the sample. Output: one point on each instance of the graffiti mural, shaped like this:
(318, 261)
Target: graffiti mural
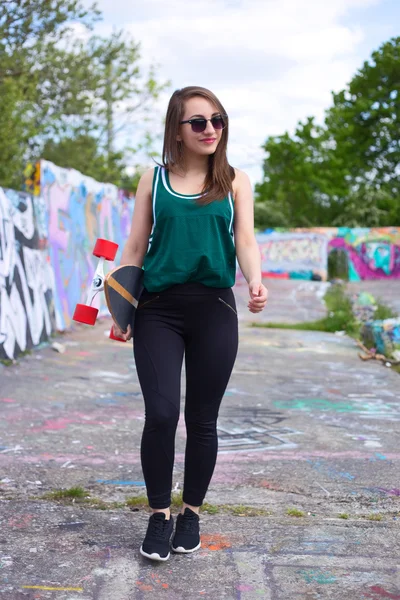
(371, 253)
(79, 210)
(26, 276)
(46, 243)
(303, 253)
(297, 254)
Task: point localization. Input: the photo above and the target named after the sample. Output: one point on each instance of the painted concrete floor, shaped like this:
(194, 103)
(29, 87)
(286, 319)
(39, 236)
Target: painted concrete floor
(304, 424)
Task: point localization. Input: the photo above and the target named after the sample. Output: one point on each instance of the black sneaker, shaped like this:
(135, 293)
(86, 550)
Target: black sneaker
(156, 542)
(187, 533)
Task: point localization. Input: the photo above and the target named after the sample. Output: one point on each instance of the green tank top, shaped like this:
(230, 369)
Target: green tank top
(188, 242)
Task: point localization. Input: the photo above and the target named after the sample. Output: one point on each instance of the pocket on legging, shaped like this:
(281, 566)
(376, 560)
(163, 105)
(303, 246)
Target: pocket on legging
(146, 302)
(227, 304)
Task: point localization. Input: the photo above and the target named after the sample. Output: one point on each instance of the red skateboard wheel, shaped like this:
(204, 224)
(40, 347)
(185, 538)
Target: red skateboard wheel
(114, 337)
(105, 249)
(85, 314)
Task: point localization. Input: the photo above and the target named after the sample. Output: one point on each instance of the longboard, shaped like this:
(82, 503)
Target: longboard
(123, 287)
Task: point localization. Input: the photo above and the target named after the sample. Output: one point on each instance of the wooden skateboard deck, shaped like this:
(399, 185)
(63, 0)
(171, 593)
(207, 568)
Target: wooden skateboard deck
(123, 287)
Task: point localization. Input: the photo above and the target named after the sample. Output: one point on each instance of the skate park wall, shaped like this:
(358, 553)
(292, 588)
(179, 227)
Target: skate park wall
(368, 253)
(46, 242)
(47, 235)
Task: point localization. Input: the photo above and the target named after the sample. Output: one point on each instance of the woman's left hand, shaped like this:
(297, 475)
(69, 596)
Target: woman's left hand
(258, 296)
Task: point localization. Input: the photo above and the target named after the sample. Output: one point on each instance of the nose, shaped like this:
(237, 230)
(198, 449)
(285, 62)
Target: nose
(209, 128)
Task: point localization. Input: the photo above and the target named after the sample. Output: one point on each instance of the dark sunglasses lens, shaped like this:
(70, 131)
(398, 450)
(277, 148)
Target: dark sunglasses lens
(198, 125)
(217, 122)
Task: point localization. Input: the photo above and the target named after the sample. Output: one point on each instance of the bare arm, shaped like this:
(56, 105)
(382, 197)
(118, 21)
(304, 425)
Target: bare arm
(247, 250)
(137, 243)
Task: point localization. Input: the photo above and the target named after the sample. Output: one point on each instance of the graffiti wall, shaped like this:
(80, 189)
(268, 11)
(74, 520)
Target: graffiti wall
(371, 253)
(303, 253)
(26, 276)
(46, 243)
(294, 254)
(47, 237)
(79, 210)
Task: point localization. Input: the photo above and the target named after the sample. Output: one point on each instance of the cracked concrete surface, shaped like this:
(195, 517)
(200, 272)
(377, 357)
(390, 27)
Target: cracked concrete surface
(304, 424)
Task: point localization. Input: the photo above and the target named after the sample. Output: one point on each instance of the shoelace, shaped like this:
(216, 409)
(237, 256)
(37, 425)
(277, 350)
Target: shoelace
(187, 523)
(158, 527)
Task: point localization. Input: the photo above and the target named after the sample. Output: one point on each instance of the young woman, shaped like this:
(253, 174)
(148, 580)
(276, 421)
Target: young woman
(193, 216)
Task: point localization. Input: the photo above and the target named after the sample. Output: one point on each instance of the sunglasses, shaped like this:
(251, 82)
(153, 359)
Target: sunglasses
(198, 125)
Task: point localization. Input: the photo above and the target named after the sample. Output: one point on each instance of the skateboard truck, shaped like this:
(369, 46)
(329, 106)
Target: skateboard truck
(86, 313)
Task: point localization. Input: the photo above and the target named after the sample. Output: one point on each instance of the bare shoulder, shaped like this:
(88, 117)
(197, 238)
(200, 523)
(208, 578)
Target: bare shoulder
(146, 180)
(241, 182)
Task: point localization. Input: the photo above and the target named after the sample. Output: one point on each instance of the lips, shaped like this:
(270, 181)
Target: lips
(208, 140)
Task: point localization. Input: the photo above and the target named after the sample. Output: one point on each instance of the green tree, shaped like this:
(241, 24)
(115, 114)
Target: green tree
(29, 33)
(365, 120)
(58, 93)
(299, 177)
(84, 154)
(347, 171)
(123, 93)
(113, 94)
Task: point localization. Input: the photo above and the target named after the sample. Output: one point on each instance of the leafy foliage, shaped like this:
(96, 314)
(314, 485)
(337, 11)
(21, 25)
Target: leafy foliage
(346, 171)
(64, 97)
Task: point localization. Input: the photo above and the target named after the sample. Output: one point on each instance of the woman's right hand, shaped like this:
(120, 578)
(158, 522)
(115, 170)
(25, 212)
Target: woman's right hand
(125, 335)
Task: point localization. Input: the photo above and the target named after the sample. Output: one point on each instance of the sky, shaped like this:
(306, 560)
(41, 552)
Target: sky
(271, 63)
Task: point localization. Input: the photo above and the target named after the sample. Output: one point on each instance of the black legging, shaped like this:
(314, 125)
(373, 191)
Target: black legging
(200, 322)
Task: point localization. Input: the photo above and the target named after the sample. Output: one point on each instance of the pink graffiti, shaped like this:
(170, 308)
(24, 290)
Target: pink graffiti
(392, 492)
(364, 269)
(376, 589)
(20, 522)
(62, 423)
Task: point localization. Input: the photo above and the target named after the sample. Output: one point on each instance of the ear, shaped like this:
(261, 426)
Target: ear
(178, 138)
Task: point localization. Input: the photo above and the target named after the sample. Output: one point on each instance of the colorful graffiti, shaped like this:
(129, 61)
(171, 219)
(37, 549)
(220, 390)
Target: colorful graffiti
(26, 276)
(294, 253)
(46, 243)
(79, 210)
(303, 253)
(372, 253)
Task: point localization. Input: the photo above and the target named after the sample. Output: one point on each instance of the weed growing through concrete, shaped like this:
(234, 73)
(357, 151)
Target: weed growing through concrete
(340, 316)
(81, 496)
(343, 516)
(211, 509)
(294, 512)
(71, 493)
(137, 502)
(375, 517)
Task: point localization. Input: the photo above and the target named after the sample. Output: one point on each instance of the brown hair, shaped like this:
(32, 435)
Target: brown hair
(218, 181)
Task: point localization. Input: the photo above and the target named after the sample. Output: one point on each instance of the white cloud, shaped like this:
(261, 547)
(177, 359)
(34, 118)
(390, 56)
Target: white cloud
(271, 62)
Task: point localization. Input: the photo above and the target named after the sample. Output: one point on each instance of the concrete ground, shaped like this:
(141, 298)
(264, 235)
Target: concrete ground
(307, 479)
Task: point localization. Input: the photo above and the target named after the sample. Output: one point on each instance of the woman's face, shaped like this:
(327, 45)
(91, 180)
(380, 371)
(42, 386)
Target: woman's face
(206, 142)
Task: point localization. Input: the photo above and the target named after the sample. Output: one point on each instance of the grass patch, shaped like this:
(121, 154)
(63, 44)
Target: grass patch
(211, 509)
(176, 500)
(246, 511)
(384, 312)
(137, 502)
(375, 517)
(295, 512)
(81, 496)
(70, 494)
(343, 516)
(339, 318)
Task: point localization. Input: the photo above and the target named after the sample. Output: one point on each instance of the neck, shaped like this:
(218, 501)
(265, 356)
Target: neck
(195, 164)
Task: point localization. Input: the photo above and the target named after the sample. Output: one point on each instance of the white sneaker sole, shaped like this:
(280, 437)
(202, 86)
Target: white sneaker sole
(180, 550)
(154, 555)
